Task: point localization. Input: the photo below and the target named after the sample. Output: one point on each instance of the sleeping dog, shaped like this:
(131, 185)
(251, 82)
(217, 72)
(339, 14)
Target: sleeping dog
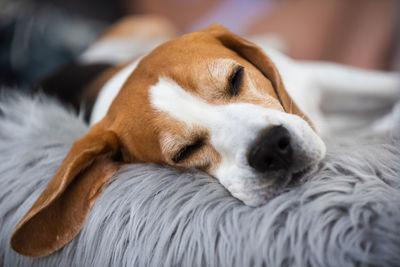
(208, 100)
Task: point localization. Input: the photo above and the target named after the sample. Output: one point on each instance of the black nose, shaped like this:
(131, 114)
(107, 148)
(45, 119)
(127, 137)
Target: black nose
(271, 151)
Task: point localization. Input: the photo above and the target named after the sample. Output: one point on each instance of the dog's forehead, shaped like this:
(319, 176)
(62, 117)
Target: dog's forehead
(186, 56)
(200, 64)
(192, 45)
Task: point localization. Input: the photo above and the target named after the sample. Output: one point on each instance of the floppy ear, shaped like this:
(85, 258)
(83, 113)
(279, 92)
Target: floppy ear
(259, 59)
(60, 211)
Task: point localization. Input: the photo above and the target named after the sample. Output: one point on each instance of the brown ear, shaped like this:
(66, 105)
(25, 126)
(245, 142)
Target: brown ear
(60, 211)
(255, 55)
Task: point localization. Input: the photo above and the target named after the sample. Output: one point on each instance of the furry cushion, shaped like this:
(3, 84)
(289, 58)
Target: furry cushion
(347, 214)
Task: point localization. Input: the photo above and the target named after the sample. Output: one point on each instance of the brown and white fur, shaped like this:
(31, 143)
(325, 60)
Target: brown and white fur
(208, 100)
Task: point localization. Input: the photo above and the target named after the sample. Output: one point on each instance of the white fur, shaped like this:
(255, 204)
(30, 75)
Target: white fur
(300, 85)
(232, 129)
(307, 81)
(388, 123)
(109, 91)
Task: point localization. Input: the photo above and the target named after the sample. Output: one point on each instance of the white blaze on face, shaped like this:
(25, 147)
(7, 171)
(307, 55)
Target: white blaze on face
(232, 128)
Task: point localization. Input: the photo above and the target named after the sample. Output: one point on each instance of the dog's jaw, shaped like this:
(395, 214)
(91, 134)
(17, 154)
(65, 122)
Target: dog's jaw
(231, 129)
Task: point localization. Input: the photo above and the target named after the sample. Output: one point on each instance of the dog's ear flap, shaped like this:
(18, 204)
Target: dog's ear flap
(60, 211)
(255, 55)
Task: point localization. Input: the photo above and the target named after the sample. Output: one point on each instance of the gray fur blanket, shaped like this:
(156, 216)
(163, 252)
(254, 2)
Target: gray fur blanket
(347, 214)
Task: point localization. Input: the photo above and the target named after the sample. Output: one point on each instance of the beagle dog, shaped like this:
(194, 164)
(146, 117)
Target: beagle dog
(208, 100)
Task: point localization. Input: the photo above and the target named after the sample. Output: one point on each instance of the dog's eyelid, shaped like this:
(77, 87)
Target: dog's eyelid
(187, 151)
(235, 80)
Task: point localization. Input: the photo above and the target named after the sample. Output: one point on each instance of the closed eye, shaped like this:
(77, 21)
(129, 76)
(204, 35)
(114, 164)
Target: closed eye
(187, 151)
(235, 80)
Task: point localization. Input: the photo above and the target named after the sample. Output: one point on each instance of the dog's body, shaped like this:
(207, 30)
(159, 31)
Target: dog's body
(209, 100)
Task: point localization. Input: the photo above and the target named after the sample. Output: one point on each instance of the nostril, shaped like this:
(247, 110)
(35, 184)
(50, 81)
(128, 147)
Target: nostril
(268, 161)
(283, 143)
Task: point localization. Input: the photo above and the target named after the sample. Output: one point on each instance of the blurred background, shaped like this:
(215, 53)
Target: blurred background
(37, 36)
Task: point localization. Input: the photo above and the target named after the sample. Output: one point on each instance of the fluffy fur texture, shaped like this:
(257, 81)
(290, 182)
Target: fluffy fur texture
(347, 214)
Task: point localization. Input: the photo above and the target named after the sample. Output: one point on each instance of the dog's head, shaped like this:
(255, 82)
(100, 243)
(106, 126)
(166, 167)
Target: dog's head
(208, 100)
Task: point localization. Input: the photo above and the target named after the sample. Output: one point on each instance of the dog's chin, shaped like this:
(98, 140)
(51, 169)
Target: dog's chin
(278, 184)
(301, 176)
